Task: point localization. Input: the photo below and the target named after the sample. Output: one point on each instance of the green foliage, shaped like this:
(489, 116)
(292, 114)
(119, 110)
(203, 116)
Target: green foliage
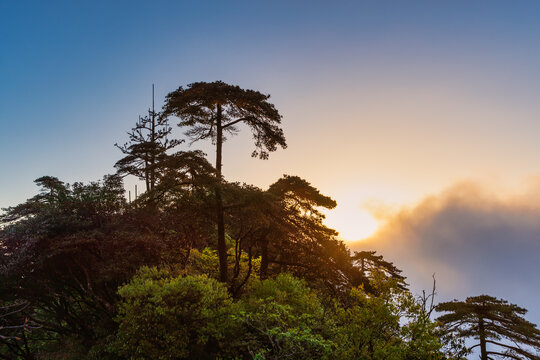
(283, 318)
(163, 317)
(391, 325)
(206, 261)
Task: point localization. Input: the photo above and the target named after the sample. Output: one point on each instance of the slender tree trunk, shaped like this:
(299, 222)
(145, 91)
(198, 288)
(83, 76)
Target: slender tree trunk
(481, 332)
(152, 166)
(153, 139)
(222, 248)
(146, 175)
(264, 260)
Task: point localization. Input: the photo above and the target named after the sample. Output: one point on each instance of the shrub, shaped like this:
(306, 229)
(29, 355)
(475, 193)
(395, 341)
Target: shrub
(163, 317)
(283, 319)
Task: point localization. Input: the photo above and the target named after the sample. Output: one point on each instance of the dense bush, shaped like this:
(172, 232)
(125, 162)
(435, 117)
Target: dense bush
(391, 325)
(168, 316)
(283, 318)
(164, 317)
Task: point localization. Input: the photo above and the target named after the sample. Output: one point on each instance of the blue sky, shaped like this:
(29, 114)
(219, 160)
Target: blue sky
(75, 75)
(384, 103)
(389, 89)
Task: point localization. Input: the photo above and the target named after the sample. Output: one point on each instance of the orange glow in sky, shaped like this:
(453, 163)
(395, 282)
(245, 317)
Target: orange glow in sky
(352, 222)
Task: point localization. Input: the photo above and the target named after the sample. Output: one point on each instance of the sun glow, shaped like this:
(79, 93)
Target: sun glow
(352, 222)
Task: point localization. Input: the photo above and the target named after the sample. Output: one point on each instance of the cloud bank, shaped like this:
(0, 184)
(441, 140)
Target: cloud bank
(475, 240)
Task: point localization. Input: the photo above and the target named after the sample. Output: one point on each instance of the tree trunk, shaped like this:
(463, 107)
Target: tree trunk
(146, 174)
(222, 247)
(263, 274)
(482, 335)
(154, 148)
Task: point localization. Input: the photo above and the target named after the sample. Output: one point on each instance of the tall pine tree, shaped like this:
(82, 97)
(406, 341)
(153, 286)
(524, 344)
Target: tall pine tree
(212, 110)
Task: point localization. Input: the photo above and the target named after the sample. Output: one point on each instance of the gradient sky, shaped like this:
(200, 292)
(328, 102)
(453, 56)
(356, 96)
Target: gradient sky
(384, 103)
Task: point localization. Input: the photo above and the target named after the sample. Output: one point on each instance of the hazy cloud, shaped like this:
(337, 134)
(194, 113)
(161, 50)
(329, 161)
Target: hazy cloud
(474, 240)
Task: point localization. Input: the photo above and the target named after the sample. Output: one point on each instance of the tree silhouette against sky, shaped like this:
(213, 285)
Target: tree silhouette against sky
(491, 321)
(212, 110)
(147, 148)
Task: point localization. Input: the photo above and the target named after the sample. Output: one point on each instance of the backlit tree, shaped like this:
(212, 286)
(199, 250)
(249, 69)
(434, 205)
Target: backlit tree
(493, 322)
(212, 110)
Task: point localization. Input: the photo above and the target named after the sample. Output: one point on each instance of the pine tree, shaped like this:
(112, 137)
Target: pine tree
(491, 321)
(369, 263)
(212, 110)
(147, 148)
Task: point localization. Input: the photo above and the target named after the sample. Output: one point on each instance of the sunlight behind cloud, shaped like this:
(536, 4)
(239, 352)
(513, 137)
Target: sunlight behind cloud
(351, 221)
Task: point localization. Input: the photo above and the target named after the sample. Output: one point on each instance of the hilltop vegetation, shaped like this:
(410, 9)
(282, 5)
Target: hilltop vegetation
(199, 267)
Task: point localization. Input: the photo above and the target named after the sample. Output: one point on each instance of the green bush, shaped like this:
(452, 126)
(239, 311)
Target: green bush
(164, 317)
(390, 326)
(166, 314)
(283, 320)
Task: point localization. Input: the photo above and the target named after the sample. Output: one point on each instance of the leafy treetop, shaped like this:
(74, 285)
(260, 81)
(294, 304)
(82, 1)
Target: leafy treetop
(206, 107)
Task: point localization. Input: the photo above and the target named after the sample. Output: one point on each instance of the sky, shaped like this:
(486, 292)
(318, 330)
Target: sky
(421, 118)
